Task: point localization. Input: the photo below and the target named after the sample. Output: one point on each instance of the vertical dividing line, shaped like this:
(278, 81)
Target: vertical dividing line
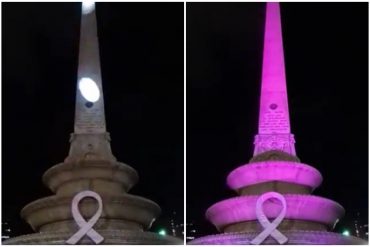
(1, 130)
(368, 133)
(185, 122)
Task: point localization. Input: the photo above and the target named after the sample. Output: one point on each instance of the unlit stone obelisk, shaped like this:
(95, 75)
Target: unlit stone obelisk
(91, 169)
(90, 136)
(274, 125)
(89, 115)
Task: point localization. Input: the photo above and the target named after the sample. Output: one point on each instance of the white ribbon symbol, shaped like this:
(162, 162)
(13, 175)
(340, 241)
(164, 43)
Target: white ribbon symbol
(86, 227)
(270, 227)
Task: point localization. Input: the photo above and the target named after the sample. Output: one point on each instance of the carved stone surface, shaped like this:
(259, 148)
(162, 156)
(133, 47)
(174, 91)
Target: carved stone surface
(274, 115)
(280, 142)
(274, 155)
(89, 147)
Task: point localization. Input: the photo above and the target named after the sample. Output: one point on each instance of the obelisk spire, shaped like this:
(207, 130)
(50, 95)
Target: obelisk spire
(90, 139)
(89, 116)
(274, 125)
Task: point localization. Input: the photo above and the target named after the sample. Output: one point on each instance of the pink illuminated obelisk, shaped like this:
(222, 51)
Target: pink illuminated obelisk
(274, 203)
(274, 125)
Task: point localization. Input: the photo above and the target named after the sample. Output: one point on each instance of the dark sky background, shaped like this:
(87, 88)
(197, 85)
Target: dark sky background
(142, 60)
(141, 45)
(326, 58)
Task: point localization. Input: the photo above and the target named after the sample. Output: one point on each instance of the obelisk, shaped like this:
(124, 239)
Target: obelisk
(90, 136)
(274, 125)
(89, 94)
(109, 214)
(274, 203)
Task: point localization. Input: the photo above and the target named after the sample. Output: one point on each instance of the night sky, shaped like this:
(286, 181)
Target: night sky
(142, 48)
(142, 60)
(326, 58)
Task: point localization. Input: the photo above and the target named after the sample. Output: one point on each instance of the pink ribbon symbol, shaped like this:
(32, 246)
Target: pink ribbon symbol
(86, 227)
(270, 228)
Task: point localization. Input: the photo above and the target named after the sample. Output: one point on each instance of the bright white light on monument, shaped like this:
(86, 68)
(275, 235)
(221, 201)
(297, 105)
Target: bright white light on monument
(162, 232)
(346, 233)
(87, 7)
(89, 89)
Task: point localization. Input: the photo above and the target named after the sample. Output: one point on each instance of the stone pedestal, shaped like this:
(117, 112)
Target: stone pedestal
(294, 238)
(91, 166)
(308, 219)
(116, 237)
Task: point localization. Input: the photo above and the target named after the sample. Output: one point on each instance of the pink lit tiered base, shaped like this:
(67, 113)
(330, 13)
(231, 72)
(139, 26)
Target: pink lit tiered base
(308, 218)
(294, 237)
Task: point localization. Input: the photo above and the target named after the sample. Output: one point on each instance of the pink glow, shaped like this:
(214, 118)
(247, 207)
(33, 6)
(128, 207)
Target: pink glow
(291, 172)
(274, 134)
(297, 237)
(273, 75)
(299, 207)
(274, 123)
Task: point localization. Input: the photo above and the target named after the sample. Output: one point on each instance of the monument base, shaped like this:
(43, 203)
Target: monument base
(294, 237)
(117, 237)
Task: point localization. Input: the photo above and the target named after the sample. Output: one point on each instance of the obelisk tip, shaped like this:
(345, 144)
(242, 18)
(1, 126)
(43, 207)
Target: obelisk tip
(88, 7)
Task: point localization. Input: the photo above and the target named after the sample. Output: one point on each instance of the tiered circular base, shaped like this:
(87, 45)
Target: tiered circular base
(294, 237)
(90, 166)
(307, 219)
(267, 171)
(53, 213)
(292, 179)
(299, 207)
(110, 237)
(110, 179)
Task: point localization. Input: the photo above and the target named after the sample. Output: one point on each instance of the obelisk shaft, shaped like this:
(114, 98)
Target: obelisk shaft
(274, 125)
(90, 141)
(89, 116)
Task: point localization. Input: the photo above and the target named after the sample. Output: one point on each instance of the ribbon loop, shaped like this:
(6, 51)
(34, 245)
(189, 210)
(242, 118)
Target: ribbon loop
(270, 228)
(86, 227)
